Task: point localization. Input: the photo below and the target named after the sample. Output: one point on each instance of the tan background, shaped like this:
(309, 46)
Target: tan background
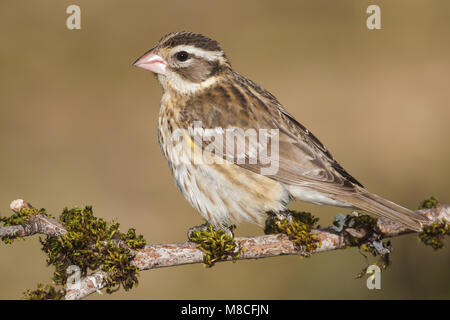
(78, 126)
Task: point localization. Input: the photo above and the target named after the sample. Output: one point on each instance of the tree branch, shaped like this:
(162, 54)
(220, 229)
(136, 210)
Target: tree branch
(168, 255)
(37, 224)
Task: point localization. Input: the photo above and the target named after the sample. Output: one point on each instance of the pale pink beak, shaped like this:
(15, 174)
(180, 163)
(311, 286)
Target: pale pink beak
(151, 61)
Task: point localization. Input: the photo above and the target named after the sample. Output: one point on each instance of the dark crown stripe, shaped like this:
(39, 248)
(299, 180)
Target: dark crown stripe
(189, 38)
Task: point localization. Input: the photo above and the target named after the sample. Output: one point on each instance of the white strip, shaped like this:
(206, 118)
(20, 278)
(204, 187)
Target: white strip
(208, 55)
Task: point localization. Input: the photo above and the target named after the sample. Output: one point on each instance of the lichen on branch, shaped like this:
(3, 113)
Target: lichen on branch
(361, 230)
(433, 234)
(20, 217)
(89, 243)
(298, 228)
(216, 245)
(123, 246)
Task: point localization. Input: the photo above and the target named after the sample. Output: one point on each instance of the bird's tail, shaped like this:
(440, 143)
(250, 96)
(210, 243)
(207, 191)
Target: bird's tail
(379, 206)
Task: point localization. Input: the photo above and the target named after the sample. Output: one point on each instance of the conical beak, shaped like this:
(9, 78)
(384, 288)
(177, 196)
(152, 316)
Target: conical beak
(151, 61)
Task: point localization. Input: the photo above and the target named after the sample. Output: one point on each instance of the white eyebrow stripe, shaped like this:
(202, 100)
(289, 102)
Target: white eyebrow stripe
(208, 55)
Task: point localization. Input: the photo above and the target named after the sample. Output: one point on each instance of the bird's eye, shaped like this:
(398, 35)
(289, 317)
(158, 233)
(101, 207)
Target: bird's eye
(182, 56)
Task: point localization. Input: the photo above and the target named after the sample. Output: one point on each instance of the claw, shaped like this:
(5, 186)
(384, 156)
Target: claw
(228, 231)
(193, 229)
(204, 227)
(285, 215)
(270, 221)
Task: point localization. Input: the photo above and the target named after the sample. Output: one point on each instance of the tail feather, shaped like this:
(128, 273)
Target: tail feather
(379, 206)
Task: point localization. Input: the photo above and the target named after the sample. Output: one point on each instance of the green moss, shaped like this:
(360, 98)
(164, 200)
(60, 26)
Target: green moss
(18, 218)
(21, 217)
(45, 293)
(298, 230)
(9, 240)
(116, 263)
(216, 245)
(430, 203)
(133, 241)
(433, 235)
(91, 244)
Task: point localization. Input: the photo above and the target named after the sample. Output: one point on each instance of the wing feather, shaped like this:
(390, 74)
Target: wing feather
(239, 105)
(303, 159)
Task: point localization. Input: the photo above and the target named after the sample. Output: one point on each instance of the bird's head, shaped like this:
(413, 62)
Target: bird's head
(185, 61)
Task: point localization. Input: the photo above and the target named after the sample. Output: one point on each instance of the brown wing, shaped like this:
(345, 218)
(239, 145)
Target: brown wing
(238, 104)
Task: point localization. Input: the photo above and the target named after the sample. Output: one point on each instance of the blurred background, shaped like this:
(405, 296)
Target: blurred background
(78, 127)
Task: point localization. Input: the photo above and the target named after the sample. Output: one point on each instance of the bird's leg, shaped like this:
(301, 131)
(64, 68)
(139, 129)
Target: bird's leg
(191, 230)
(286, 215)
(229, 230)
(273, 218)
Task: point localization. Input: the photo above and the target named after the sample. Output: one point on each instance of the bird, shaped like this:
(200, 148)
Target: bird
(205, 98)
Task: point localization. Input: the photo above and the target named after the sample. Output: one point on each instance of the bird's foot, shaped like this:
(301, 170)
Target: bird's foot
(216, 243)
(275, 218)
(286, 215)
(200, 228)
(297, 226)
(206, 226)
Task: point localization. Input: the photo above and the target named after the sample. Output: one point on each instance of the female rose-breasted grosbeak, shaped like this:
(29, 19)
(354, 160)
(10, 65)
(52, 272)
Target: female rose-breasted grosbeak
(200, 87)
